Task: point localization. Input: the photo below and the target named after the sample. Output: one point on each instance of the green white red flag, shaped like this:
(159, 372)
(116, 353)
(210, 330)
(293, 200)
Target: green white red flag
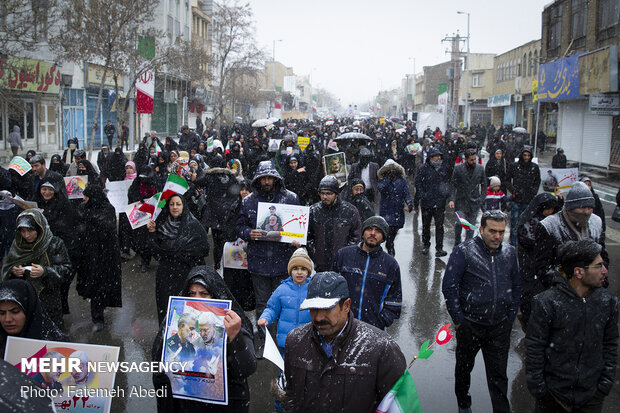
(157, 148)
(152, 204)
(465, 223)
(402, 397)
(174, 185)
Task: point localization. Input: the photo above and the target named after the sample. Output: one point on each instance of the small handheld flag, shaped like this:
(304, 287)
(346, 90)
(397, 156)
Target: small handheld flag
(465, 223)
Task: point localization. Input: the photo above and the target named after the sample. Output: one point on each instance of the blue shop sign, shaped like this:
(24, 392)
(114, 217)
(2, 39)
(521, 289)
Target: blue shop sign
(559, 80)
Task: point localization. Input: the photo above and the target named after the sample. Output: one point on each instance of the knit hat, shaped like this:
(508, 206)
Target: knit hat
(579, 196)
(495, 181)
(378, 222)
(300, 258)
(329, 183)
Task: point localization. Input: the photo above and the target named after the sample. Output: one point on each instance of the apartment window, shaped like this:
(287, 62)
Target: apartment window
(579, 12)
(170, 27)
(476, 80)
(554, 30)
(607, 18)
(535, 63)
(519, 66)
(529, 64)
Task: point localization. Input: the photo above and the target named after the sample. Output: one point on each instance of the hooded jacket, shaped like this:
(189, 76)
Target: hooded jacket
(365, 364)
(48, 251)
(283, 305)
(432, 186)
(482, 286)
(15, 138)
(374, 284)
(266, 258)
(523, 179)
(38, 325)
(394, 194)
(571, 344)
(240, 356)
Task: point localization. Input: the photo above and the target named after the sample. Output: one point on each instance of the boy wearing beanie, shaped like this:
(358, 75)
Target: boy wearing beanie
(285, 301)
(495, 199)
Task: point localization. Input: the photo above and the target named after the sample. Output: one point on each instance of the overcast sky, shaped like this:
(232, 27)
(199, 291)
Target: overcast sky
(355, 48)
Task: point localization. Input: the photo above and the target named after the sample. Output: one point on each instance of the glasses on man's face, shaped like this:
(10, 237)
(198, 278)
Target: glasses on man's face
(598, 266)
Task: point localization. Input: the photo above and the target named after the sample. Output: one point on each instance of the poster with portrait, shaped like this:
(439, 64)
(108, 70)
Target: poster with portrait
(69, 385)
(274, 145)
(195, 334)
(136, 217)
(282, 222)
(235, 254)
(75, 186)
(561, 178)
(335, 164)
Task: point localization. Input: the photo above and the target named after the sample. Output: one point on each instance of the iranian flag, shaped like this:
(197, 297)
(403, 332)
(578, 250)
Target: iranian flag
(157, 148)
(174, 185)
(152, 204)
(402, 398)
(465, 223)
(145, 92)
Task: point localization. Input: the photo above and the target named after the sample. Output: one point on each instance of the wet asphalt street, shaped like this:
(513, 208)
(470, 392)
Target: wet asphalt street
(134, 326)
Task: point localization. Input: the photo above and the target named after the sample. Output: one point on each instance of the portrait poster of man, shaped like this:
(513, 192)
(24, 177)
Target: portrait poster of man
(335, 164)
(563, 178)
(136, 217)
(235, 254)
(283, 222)
(75, 186)
(18, 348)
(195, 334)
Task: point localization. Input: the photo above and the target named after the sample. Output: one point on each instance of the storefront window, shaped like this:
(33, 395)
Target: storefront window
(47, 123)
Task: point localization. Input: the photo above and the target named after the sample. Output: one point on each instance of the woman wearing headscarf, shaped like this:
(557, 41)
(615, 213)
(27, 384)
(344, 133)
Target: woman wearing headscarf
(142, 156)
(296, 178)
(115, 165)
(57, 165)
(99, 274)
(179, 242)
(21, 314)
(394, 197)
(141, 189)
(41, 258)
(86, 168)
(62, 219)
(541, 206)
(205, 282)
(124, 227)
(161, 170)
(72, 145)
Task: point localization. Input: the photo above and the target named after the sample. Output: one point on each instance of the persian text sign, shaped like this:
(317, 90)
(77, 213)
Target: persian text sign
(559, 80)
(29, 75)
(499, 100)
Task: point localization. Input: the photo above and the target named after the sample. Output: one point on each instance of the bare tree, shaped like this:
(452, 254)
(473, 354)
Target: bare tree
(234, 50)
(106, 32)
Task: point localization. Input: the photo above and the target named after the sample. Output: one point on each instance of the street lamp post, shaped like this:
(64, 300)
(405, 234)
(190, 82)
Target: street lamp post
(273, 64)
(466, 117)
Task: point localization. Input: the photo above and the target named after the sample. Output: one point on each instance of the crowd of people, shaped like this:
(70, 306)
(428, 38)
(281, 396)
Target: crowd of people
(334, 298)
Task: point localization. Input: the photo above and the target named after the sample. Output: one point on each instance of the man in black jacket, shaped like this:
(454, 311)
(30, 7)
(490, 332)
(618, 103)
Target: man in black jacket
(334, 224)
(482, 286)
(109, 131)
(572, 336)
(522, 181)
(41, 172)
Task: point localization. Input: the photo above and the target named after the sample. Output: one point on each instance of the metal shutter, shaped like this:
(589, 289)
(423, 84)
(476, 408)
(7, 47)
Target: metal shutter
(596, 139)
(571, 128)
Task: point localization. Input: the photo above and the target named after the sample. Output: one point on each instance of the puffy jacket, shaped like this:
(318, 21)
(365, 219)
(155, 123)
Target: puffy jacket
(365, 364)
(468, 187)
(394, 194)
(283, 305)
(482, 286)
(374, 284)
(331, 228)
(553, 232)
(523, 180)
(571, 344)
(266, 258)
(432, 186)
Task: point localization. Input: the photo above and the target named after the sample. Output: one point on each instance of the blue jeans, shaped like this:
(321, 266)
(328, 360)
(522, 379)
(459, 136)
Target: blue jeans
(515, 212)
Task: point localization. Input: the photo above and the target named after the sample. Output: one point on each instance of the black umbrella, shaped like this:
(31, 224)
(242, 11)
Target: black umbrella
(11, 382)
(353, 136)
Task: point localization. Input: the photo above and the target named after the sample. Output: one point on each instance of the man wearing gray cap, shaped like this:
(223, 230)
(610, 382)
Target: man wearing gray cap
(574, 222)
(337, 363)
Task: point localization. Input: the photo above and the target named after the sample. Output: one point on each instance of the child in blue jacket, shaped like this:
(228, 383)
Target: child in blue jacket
(285, 301)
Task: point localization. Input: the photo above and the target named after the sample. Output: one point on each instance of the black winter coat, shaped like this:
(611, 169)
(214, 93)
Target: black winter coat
(97, 231)
(222, 201)
(499, 169)
(469, 187)
(330, 229)
(432, 186)
(571, 344)
(523, 180)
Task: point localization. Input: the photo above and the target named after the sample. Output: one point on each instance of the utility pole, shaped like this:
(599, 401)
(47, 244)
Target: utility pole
(467, 116)
(455, 54)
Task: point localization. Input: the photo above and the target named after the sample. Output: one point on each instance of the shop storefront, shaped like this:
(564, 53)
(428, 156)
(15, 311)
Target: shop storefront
(502, 111)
